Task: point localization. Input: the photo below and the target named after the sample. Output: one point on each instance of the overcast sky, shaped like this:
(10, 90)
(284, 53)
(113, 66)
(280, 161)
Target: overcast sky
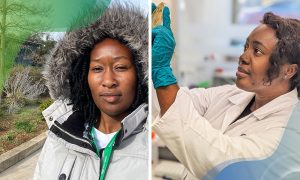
(139, 3)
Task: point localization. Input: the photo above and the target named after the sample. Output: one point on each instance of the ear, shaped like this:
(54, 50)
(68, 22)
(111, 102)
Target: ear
(290, 71)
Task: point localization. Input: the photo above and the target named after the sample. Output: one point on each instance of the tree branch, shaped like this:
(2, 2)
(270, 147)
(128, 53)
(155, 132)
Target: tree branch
(25, 9)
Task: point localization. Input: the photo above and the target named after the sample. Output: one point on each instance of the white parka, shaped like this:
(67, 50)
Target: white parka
(66, 155)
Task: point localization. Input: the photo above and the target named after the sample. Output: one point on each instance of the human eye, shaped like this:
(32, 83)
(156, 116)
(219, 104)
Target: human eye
(246, 46)
(121, 68)
(97, 69)
(258, 51)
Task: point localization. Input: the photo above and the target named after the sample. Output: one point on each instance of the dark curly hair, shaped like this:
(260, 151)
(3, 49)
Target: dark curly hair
(287, 49)
(123, 23)
(81, 96)
(67, 67)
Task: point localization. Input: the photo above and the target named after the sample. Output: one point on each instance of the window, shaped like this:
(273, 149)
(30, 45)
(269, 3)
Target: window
(252, 11)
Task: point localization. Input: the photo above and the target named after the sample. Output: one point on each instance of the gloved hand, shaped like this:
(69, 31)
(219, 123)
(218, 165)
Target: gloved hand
(163, 44)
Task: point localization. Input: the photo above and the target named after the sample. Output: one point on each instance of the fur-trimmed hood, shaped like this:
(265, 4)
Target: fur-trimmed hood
(121, 22)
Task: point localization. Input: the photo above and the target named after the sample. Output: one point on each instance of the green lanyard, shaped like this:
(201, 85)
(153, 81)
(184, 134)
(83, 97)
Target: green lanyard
(106, 154)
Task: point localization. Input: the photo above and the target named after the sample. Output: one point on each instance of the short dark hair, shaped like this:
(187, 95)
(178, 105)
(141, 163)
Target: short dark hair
(287, 49)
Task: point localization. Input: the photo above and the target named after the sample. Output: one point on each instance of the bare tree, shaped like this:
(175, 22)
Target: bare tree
(20, 87)
(18, 19)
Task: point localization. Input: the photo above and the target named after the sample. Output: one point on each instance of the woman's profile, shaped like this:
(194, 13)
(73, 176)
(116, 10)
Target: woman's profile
(208, 129)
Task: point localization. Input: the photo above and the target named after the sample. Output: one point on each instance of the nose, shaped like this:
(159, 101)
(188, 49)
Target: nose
(109, 79)
(244, 59)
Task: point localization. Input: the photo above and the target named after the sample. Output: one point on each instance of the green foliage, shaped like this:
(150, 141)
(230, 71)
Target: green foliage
(44, 105)
(10, 136)
(19, 127)
(25, 125)
(27, 113)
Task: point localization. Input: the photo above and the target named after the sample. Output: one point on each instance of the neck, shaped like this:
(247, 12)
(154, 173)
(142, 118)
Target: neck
(108, 124)
(266, 96)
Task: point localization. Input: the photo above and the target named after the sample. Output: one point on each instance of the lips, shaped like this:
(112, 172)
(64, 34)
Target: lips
(241, 72)
(110, 97)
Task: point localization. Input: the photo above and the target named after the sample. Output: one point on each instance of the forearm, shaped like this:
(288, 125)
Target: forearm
(199, 146)
(166, 95)
(163, 45)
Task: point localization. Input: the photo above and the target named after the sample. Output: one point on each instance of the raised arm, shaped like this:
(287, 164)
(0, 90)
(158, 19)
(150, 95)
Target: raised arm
(163, 44)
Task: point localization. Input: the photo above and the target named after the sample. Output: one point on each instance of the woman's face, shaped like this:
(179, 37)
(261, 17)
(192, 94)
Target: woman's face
(112, 78)
(254, 62)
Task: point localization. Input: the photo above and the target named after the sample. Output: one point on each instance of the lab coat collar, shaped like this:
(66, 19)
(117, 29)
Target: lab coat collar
(277, 104)
(241, 99)
(285, 100)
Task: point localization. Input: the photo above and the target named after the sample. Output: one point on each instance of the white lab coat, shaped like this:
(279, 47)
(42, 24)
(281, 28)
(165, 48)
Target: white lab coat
(196, 128)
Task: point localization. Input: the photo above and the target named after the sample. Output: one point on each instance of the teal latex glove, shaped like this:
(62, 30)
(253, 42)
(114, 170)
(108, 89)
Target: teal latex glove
(163, 44)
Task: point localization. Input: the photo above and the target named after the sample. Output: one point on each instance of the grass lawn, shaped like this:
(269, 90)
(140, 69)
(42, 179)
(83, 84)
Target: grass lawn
(20, 127)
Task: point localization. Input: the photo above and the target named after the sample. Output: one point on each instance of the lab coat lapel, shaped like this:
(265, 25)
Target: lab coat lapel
(231, 114)
(239, 101)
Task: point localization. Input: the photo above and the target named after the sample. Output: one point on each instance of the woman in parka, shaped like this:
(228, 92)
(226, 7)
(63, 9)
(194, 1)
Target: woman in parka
(98, 123)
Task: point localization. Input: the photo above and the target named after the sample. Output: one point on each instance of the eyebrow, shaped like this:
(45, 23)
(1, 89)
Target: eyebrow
(115, 58)
(257, 43)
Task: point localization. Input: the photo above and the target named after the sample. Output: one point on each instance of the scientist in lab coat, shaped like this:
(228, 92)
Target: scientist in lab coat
(205, 128)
